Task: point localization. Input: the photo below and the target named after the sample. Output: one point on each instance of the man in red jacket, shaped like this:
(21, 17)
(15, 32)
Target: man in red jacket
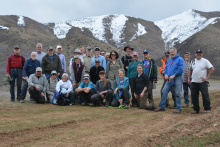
(14, 71)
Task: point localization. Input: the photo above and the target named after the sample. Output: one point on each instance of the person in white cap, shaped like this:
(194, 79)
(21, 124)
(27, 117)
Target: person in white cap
(37, 86)
(131, 74)
(62, 59)
(51, 86)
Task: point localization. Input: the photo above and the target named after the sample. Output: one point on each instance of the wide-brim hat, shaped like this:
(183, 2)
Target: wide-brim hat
(128, 46)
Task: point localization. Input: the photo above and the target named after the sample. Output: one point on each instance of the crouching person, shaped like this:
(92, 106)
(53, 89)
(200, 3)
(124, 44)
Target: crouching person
(51, 86)
(104, 91)
(85, 90)
(63, 94)
(141, 83)
(121, 92)
(37, 86)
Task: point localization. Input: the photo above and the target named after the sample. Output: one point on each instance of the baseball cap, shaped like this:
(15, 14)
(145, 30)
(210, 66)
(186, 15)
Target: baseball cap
(50, 48)
(97, 61)
(145, 51)
(97, 49)
(77, 51)
(102, 72)
(76, 57)
(38, 69)
(59, 46)
(167, 53)
(86, 76)
(53, 72)
(128, 46)
(135, 53)
(88, 48)
(187, 53)
(16, 47)
(199, 51)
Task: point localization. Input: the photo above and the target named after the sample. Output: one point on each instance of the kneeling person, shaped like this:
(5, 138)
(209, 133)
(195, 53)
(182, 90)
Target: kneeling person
(85, 90)
(104, 91)
(37, 86)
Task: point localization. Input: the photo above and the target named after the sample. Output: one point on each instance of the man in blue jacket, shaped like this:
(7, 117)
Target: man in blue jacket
(173, 74)
(29, 68)
(101, 58)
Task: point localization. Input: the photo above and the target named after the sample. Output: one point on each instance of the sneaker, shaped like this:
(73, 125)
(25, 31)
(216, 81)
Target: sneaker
(172, 107)
(127, 106)
(72, 104)
(177, 111)
(92, 105)
(135, 105)
(208, 111)
(21, 101)
(195, 112)
(34, 102)
(160, 109)
(12, 100)
(83, 104)
(185, 106)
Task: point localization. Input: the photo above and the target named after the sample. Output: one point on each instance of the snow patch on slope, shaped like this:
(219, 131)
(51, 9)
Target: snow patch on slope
(178, 28)
(21, 21)
(117, 27)
(4, 27)
(141, 31)
(61, 29)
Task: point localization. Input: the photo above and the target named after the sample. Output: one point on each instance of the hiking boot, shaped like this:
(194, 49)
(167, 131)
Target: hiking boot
(34, 102)
(177, 111)
(159, 109)
(72, 104)
(12, 100)
(127, 106)
(83, 104)
(195, 112)
(208, 111)
(135, 105)
(185, 106)
(92, 105)
(21, 101)
(172, 107)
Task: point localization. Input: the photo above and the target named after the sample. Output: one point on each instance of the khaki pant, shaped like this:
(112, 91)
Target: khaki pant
(142, 101)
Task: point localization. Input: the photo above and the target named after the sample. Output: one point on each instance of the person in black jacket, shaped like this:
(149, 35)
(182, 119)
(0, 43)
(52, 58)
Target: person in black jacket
(126, 59)
(94, 71)
(141, 86)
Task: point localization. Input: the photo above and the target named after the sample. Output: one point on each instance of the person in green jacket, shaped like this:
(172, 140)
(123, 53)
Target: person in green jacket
(131, 74)
(150, 69)
(121, 92)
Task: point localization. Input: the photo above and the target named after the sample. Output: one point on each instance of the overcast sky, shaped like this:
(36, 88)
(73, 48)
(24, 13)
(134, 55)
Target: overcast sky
(62, 10)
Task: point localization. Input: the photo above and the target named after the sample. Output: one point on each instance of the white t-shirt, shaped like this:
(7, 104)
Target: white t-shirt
(199, 69)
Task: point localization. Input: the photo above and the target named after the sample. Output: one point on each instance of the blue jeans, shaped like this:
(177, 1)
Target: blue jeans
(15, 74)
(48, 76)
(178, 89)
(24, 89)
(186, 93)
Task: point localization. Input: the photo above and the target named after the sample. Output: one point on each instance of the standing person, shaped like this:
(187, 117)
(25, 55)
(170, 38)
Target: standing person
(198, 71)
(88, 59)
(14, 71)
(150, 69)
(62, 59)
(77, 71)
(103, 91)
(121, 92)
(107, 57)
(103, 53)
(173, 74)
(126, 59)
(30, 66)
(51, 86)
(82, 49)
(85, 90)
(39, 52)
(98, 56)
(113, 66)
(37, 86)
(94, 71)
(78, 53)
(141, 82)
(164, 61)
(51, 62)
(186, 86)
(131, 74)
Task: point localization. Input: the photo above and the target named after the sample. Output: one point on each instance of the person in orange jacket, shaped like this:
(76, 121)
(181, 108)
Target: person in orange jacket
(164, 61)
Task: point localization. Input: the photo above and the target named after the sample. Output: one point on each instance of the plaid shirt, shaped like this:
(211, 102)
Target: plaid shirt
(186, 71)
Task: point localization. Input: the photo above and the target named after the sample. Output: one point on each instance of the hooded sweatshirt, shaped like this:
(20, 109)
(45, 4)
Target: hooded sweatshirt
(175, 66)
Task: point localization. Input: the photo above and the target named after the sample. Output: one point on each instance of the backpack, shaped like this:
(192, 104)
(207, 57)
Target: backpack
(21, 60)
(62, 100)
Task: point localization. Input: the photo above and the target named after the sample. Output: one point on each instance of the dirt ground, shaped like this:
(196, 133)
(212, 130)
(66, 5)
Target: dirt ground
(48, 125)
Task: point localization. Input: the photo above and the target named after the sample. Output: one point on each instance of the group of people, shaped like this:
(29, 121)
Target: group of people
(104, 79)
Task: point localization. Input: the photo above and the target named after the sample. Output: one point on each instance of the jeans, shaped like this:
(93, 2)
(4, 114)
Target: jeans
(203, 87)
(24, 89)
(48, 76)
(178, 90)
(186, 93)
(172, 91)
(36, 94)
(96, 98)
(124, 96)
(150, 92)
(132, 85)
(15, 74)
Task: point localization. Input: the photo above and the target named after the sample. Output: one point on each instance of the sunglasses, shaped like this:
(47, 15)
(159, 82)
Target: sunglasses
(113, 55)
(54, 74)
(145, 53)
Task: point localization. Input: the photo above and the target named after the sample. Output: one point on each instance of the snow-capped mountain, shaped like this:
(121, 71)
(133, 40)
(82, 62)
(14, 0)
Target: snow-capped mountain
(178, 28)
(116, 24)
